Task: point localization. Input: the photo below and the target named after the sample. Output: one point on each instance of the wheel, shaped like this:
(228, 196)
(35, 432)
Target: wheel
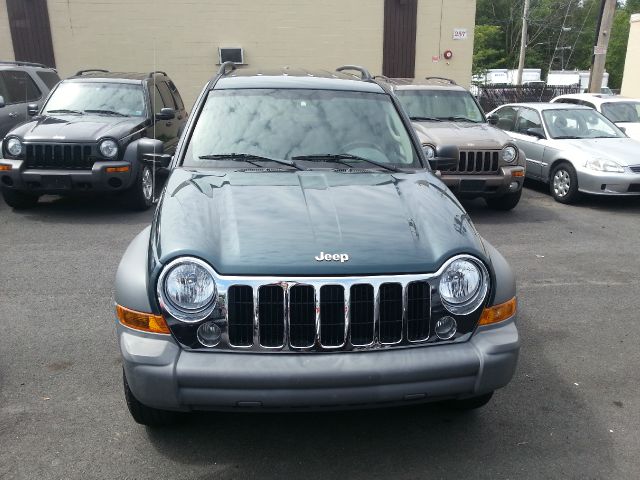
(151, 417)
(140, 195)
(563, 183)
(19, 200)
(471, 403)
(505, 202)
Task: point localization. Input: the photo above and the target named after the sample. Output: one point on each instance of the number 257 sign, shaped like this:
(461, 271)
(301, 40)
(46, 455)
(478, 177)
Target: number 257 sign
(459, 33)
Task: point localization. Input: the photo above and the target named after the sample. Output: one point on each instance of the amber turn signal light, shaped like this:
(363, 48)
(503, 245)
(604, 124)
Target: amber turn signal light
(146, 322)
(498, 313)
(4, 167)
(117, 169)
(518, 173)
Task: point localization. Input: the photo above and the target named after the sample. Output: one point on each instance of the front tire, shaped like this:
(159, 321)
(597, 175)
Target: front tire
(471, 403)
(505, 202)
(151, 417)
(563, 183)
(19, 200)
(140, 194)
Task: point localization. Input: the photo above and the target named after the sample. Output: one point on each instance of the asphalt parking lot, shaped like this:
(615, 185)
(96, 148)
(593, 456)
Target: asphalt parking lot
(572, 410)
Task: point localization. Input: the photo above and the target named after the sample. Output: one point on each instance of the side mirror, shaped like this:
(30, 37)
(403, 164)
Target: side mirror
(622, 129)
(32, 109)
(2, 104)
(493, 119)
(160, 160)
(535, 132)
(166, 114)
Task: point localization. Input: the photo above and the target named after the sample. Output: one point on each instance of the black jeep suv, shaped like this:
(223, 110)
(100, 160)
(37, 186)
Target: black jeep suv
(91, 135)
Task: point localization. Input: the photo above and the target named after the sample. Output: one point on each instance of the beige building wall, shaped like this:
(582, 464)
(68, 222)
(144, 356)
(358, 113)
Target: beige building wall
(631, 78)
(434, 38)
(182, 38)
(6, 46)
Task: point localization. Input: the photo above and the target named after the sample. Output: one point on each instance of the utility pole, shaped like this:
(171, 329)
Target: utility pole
(523, 42)
(605, 20)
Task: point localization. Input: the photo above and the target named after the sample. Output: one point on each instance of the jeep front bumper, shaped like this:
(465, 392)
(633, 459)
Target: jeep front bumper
(165, 376)
(507, 180)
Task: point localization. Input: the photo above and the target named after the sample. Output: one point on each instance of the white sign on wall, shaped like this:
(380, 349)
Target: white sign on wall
(459, 33)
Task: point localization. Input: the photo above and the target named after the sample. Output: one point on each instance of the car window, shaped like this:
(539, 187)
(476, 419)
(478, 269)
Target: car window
(19, 87)
(579, 123)
(527, 119)
(167, 98)
(124, 98)
(285, 123)
(566, 100)
(506, 118)
(441, 104)
(50, 79)
(176, 95)
(622, 111)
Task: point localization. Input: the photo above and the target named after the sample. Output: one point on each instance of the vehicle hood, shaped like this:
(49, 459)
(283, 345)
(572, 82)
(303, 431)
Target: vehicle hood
(622, 150)
(463, 134)
(264, 223)
(631, 129)
(77, 128)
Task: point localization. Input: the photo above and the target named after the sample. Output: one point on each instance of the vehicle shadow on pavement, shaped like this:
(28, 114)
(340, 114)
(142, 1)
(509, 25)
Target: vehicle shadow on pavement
(87, 210)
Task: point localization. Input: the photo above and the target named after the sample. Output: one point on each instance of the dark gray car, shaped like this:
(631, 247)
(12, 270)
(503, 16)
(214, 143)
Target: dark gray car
(22, 84)
(304, 256)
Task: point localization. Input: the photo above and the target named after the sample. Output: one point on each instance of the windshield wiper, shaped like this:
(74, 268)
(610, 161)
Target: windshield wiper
(107, 112)
(249, 158)
(64, 110)
(566, 137)
(458, 119)
(425, 119)
(340, 157)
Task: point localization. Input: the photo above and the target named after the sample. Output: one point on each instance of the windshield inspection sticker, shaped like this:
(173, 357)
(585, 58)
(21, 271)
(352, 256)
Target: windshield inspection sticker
(336, 257)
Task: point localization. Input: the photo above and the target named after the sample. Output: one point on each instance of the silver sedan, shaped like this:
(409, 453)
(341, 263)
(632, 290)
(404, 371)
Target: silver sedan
(572, 148)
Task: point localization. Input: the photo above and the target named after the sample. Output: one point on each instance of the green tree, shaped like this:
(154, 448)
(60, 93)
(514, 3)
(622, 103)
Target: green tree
(487, 48)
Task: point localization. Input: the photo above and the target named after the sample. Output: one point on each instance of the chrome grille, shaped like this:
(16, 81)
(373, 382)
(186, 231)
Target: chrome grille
(635, 168)
(481, 161)
(325, 315)
(59, 156)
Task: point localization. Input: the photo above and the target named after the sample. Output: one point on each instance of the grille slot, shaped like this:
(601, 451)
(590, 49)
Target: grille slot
(482, 161)
(390, 313)
(271, 315)
(418, 311)
(361, 309)
(302, 316)
(59, 156)
(635, 168)
(241, 315)
(332, 315)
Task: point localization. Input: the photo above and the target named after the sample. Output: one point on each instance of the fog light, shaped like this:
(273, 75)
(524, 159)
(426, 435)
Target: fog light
(209, 334)
(513, 186)
(446, 328)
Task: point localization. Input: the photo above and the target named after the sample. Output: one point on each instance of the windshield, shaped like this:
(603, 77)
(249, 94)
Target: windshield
(287, 124)
(440, 104)
(579, 123)
(122, 98)
(628, 112)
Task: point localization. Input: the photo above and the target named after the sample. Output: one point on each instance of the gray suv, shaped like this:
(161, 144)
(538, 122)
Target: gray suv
(23, 88)
(474, 158)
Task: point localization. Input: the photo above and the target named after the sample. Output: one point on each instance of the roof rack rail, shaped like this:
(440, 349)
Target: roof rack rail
(448, 80)
(383, 77)
(159, 72)
(82, 72)
(223, 68)
(25, 64)
(365, 75)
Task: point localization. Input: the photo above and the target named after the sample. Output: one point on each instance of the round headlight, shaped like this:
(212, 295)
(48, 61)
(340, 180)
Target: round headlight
(108, 148)
(429, 152)
(463, 285)
(14, 147)
(509, 154)
(187, 289)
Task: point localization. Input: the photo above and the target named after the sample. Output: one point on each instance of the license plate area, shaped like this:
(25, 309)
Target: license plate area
(56, 182)
(472, 185)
